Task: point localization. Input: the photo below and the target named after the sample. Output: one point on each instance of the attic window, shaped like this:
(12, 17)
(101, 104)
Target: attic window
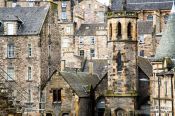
(150, 18)
(10, 29)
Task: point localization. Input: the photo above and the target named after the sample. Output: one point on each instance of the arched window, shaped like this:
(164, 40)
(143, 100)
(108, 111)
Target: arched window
(119, 61)
(129, 30)
(110, 31)
(119, 30)
(150, 18)
(165, 18)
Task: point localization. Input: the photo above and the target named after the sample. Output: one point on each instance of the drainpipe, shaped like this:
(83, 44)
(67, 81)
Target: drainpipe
(172, 95)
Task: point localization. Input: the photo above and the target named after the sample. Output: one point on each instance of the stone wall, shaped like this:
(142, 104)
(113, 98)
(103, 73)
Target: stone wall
(100, 46)
(68, 97)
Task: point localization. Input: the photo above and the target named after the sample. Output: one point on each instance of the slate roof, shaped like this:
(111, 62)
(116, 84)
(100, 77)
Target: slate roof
(100, 67)
(89, 29)
(145, 65)
(32, 18)
(116, 5)
(145, 27)
(166, 47)
(80, 82)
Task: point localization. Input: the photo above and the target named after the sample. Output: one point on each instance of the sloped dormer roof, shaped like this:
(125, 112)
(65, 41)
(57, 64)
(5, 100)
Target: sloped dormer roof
(167, 42)
(32, 18)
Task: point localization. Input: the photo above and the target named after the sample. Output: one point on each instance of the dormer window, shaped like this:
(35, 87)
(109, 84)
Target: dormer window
(10, 29)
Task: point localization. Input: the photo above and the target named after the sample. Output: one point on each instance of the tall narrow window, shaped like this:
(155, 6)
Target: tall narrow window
(92, 40)
(166, 88)
(29, 95)
(29, 73)
(10, 73)
(82, 53)
(119, 61)
(129, 28)
(49, 50)
(110, 32)
(80, 40)
(57, 95)
(165, 18)
(92, 53)
(10, 29)
(64, 15)
(29, 50)
(10, 51)
(142, 53)
(119, 30)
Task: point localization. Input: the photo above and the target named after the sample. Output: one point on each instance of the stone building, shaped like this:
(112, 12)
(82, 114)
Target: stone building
(149, 11)
(89, 12)
(70, 93)
(163, 68)
(30, 52)
(122, 73)
(91, 41)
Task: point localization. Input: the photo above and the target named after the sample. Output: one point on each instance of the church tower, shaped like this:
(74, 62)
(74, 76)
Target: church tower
(122, 75)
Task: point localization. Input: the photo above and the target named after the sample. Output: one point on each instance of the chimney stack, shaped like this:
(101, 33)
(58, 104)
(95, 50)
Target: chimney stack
(63, 62)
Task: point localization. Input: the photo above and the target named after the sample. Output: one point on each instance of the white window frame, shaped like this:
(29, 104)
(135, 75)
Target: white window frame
(29, 50)
(10, 73)
(29, 73)
(10, 29)
(30, 96)
(10, 51)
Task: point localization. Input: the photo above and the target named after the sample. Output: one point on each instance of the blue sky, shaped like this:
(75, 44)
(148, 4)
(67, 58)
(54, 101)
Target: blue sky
(104, 1)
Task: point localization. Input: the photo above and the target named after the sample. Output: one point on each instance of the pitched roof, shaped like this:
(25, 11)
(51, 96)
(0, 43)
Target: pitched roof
(145, 65)
(166, 47)
(145, 27)
(90, 29)
(99, 67)
(32, 18)
(80, 82)
(142, 5)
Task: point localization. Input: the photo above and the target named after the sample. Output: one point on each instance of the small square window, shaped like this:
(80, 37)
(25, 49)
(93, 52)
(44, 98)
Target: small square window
(10, 51)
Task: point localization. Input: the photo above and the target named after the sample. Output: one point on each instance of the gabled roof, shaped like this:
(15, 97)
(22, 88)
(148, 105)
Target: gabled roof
(166, 47)
(32, 18)
(145, 27)
(90, 29)
(100, 67)
(142, 5)
(80, 82)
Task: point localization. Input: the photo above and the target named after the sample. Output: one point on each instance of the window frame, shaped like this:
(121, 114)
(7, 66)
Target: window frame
(29, 50)
(29, 73)
(92, 40)
(92, 54)
(63, 15)
(10, 73)
(81, 53)
(10, 29)
(10, 51)
(56, 95)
